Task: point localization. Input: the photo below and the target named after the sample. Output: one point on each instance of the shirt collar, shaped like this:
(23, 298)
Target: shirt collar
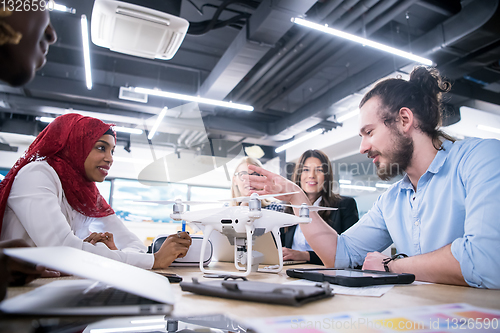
(440, 158)
(436, 165)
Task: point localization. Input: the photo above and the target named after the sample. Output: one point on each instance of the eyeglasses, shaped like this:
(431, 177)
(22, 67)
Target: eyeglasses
(242, 174)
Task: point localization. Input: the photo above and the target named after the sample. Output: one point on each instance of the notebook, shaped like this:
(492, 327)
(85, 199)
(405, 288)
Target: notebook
(224, 251)
(133, 290)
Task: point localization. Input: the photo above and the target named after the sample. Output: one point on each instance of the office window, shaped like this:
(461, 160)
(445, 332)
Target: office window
(3, 173)
(105, 189)
(199, 193)
(127, 195)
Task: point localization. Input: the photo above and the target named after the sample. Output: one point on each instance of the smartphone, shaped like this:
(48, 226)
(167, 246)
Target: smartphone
(173, 278)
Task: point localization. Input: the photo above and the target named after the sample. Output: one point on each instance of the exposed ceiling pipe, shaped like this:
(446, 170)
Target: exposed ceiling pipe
(245, 85)
(332, 51)
(190, 138)
(472, 17)
(201, 138)
(326, 43)
(182, 137)
(268, 24)
(307, 44)
(302, 65)
(448, 8)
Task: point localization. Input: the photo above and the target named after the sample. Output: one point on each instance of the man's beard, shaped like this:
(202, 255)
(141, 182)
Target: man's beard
(398, 159)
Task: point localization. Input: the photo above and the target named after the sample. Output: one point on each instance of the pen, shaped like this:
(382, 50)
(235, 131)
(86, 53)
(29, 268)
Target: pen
(183, 226)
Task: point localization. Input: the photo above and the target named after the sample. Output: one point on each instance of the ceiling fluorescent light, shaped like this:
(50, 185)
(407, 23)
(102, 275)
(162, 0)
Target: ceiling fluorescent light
(360, 40)
(488, 129)
(359, 188)
(127, 130)
(46, 119)
(348, 115)
(86, 51)
(157, 123)
(51, 5)
(116, 128)
(201, 100)
(299, 140)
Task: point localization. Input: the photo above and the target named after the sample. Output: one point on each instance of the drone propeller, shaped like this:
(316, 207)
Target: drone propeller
(256, 196)
(311, 208)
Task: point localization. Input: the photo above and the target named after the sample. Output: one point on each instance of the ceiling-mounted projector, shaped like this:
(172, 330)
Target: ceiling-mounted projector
(131, 29)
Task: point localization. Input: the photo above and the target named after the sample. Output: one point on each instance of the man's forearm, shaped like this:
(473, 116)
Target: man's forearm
(439, 266)
(321, 237)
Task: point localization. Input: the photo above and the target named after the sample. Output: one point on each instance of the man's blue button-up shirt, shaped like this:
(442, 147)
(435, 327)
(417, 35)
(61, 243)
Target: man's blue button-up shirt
(457, 201)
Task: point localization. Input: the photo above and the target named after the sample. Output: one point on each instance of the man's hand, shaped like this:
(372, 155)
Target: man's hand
(374, 261)
(103, 237)
(289, 254)
(271, 183)
(175, 246)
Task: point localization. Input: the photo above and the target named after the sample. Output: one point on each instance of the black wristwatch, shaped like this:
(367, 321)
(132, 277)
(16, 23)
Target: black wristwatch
(386, 261)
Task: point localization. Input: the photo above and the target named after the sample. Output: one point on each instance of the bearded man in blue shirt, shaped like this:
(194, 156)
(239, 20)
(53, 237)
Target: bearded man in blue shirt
(443, 214)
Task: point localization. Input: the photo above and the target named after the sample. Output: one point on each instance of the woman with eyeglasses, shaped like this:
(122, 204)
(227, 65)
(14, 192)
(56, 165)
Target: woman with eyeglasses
(313, 173)
(240, 186)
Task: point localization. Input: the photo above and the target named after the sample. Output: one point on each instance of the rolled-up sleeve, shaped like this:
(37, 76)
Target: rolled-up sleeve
(367, 235)
(477, 251)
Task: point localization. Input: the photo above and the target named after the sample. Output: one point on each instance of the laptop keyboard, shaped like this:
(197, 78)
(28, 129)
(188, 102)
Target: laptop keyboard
(112, 297)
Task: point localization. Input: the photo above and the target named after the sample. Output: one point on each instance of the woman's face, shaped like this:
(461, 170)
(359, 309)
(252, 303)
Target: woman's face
(240, 179)
(100, 159)
(18, 63)
(312, 177)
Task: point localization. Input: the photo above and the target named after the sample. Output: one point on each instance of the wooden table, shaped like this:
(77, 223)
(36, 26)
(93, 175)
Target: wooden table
(187, 304)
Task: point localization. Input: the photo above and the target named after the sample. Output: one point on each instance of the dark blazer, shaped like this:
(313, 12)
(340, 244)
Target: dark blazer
(340, 220)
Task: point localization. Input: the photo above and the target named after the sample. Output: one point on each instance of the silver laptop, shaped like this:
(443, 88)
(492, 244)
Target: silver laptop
(110, 287)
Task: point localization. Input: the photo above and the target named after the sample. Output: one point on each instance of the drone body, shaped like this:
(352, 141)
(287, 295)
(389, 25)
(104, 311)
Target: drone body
(233, 220)
(241, 224)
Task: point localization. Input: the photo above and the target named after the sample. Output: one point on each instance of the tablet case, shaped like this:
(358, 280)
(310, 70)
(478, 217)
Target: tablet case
(192, 257)
(271, 293)
(349, 281)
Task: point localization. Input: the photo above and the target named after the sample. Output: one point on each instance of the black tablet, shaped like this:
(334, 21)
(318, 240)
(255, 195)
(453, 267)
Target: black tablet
(350, 277)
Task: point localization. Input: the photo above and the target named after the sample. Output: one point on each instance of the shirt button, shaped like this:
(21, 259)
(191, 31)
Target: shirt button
(417, 223)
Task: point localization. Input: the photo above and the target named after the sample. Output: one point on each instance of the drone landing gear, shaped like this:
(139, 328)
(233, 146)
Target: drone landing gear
(242, 254)
(239, 251)
(241, 243)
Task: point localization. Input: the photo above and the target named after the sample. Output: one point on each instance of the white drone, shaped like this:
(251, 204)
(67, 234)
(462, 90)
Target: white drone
(241, 225)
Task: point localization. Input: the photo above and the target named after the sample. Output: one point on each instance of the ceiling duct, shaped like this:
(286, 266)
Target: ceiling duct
(130, 94)
(172, 7)
(136, 30)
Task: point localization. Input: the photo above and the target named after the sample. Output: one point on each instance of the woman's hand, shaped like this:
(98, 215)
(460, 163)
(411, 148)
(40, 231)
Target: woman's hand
(271, 183)
(289, 254)
(175, 246)
(103, 237)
